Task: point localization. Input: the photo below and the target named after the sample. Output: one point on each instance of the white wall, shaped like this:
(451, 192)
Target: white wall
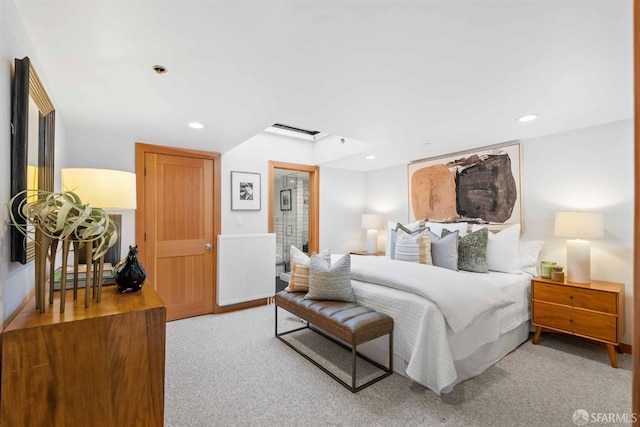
(342, 202)
(16, 280)
(253, 155)
(388, 195)
(592, 170)
(342, 193)
(588, 169)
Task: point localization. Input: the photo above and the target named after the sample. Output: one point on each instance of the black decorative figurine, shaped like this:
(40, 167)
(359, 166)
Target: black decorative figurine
(129, 273)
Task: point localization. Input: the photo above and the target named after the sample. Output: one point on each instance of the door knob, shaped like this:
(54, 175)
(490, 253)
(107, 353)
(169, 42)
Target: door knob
(208, 246)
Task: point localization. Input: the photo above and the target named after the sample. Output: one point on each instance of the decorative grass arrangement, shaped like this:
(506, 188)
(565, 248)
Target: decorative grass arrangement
(62, 217)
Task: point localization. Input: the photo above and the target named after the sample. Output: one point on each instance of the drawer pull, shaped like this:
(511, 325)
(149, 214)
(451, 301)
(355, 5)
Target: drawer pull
(570, 320)
(570, 296)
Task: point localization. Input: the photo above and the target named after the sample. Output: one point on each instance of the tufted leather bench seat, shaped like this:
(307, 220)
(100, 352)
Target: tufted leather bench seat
(350, 322)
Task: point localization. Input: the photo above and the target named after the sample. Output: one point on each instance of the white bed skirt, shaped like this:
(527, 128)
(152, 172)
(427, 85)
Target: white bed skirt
(472, 366)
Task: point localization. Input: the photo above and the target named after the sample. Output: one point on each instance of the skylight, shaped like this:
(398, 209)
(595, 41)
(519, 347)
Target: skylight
(296, 132)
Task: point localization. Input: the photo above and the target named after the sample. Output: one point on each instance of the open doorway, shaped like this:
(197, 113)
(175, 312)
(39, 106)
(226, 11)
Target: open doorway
(293, 212)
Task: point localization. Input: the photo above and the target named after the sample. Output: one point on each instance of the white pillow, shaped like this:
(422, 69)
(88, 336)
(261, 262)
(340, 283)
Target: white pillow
(444, 250)
(436, 227)
(391, 227)
(413, 247)
(529, 251)
(503, 249)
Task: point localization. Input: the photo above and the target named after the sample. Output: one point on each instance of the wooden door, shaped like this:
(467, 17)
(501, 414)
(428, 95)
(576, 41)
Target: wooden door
(179, 238)
(314, 199)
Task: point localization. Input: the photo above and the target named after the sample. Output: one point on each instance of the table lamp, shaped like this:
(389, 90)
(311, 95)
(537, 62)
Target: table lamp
(107, 189)
(32, 183)
(371, 223)
(578, 226)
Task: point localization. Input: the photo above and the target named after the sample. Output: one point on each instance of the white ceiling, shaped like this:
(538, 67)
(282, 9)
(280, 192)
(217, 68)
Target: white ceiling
(411, 79)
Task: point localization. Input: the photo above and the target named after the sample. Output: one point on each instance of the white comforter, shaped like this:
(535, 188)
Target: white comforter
(423, 338)
(463, 299)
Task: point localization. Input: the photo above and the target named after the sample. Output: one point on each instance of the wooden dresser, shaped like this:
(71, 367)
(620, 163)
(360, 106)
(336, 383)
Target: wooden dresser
(594, 310)
(99, 366)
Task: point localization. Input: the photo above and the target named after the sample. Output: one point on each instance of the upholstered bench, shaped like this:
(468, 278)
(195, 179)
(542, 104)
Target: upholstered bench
(350, 322)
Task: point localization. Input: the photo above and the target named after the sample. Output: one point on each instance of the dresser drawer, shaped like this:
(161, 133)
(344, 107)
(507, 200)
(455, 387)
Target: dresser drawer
(589, 324)
(590, 299)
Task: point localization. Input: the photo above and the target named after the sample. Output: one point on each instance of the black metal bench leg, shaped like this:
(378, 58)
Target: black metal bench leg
(391, 352)
(354, 355)
(276, 325)
(353, 367)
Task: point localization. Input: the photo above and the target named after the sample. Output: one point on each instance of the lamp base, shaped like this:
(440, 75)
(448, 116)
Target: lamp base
(372, 241)
(578, 261)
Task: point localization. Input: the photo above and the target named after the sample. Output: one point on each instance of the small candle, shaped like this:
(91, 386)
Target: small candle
(545, 269)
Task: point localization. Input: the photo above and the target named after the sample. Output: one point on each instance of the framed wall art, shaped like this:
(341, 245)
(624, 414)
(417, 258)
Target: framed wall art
(245, 191)
(285, 200)
(481, 185)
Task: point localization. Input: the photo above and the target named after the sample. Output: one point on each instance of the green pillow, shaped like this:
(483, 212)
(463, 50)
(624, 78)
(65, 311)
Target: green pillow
(472, 251)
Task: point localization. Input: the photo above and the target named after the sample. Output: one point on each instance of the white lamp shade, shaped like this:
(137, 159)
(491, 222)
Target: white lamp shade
(102, 188)
(370, 221)
(581, 225)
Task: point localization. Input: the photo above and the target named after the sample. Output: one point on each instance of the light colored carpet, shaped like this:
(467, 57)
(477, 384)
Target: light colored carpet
(230, 370)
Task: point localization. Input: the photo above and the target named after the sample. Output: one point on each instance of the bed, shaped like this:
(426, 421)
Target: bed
(442, 338)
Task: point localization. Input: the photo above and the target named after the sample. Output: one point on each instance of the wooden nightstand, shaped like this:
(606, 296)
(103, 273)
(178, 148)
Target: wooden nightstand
(366, 253)
(594, 310)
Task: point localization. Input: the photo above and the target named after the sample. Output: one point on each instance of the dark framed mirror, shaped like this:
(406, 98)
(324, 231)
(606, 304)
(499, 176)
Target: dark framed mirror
(32, 146)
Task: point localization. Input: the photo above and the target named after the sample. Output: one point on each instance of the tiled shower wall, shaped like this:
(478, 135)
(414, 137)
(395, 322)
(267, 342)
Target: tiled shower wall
(292, 227)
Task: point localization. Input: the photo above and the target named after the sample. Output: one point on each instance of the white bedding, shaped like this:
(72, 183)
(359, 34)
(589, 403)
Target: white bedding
(423, 338)
(462, 298)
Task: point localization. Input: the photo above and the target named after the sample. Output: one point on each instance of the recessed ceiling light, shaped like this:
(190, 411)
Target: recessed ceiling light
(370, 157)
(527, 118)
(159, 69)
(196, 125)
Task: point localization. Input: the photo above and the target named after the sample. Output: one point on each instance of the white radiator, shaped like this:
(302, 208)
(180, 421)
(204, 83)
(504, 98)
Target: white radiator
(246, 267)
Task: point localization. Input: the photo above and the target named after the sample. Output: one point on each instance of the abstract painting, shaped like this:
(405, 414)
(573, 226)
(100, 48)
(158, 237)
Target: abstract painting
(481, 186)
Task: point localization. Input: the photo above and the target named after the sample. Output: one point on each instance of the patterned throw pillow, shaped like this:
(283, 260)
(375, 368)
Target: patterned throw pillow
(299, 278)
(330, 282)
(437, 227)
(392, 228)
(472, 251)
(409, 229)
(444, 250)
(413, 247)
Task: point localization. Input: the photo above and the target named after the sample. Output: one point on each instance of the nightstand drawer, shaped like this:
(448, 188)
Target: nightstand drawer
(590, 299)
(589, 324)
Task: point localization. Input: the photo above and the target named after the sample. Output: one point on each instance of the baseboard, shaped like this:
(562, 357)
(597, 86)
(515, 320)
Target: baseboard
(626, 348)
(217, 309)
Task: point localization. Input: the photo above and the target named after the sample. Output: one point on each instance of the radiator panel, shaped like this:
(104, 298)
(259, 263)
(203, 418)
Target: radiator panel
(246, 267)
